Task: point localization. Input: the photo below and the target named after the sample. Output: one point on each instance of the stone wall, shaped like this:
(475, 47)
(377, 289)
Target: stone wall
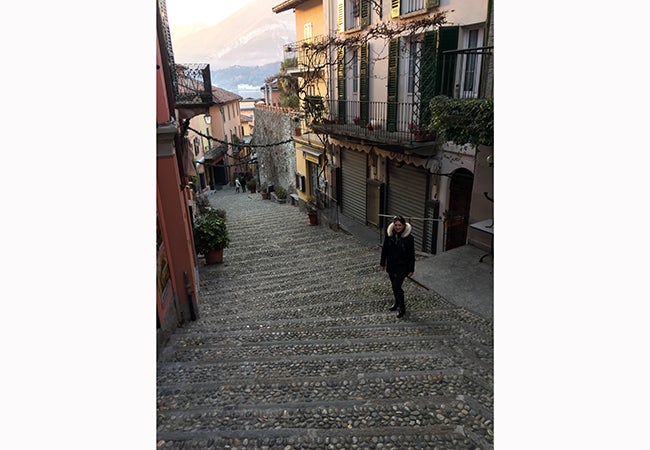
(276, 164)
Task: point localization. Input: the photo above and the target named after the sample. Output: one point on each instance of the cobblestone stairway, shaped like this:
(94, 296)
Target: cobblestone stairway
(295, 348)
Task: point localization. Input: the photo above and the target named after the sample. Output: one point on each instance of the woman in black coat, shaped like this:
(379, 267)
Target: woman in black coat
(398, 259)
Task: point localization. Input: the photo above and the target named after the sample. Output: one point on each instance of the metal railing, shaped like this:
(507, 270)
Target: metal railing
(468, 73)
(306, 55)
(193, 84)
(386, 122)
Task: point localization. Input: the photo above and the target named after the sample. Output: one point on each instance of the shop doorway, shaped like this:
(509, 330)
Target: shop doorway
(457, 220)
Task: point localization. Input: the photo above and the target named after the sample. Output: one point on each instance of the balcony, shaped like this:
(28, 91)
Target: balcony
(384, 124)
(192, 85)
(468, 73)
(308, 55)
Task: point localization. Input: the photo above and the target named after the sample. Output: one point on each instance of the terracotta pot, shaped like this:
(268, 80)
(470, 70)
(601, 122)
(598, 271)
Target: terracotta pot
(214, 257)
(265, 196)
(313, 217)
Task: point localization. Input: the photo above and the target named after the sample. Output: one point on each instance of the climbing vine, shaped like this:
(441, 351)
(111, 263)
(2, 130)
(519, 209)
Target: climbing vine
(463, 120)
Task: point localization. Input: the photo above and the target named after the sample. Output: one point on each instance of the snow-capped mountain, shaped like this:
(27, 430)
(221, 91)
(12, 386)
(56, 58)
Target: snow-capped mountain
(253, 36)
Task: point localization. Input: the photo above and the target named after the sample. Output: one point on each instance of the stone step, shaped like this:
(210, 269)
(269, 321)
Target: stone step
(304, 332)
(295, 348)
(407, 418)
(436, 437)
(298, 386)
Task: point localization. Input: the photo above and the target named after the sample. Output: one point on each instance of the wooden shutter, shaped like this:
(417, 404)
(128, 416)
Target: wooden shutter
(432, 3)
(448, 40)
(341, 15)
(340, 75)
(364, 86)
(365, 12)
(393, 80)
(427, 74)
(394, 8)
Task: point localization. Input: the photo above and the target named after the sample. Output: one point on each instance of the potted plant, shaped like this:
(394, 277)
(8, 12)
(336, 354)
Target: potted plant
(211, 236)
(251, 185)
(312, 211)
(202, 203)
(281, 194)
(265, 192)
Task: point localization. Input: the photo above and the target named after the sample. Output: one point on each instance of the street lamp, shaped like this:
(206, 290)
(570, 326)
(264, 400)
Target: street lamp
(207, 118)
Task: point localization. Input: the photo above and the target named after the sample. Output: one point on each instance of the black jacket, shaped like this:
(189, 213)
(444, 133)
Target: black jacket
(398, 252)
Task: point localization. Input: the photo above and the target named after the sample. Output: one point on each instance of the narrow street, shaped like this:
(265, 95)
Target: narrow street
(295, 348)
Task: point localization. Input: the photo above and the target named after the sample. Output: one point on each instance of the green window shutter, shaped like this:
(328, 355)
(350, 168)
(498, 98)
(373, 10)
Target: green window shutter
(340, 75)
(364, 86)
(394, 8)
(365, 12)
(393, 80)
(427, 74)
(341, 15)
(448, 40)
(432, 3)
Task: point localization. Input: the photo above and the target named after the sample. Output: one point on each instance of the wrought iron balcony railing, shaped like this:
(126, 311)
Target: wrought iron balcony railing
(389, 123)
(306, 55)
(193, 85)
(468, 73)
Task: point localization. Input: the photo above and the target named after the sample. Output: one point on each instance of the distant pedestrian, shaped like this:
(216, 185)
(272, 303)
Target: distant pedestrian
(398, 259)
(237, 185)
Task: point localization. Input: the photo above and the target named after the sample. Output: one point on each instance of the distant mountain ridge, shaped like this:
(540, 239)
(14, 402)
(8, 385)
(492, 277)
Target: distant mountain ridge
(251, 38)
(231, 77)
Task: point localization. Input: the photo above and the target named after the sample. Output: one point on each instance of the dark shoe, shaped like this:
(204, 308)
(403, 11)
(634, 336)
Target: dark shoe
(400, 314)
(393, 308)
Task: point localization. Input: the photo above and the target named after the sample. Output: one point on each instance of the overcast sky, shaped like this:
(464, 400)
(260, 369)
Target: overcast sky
(209, 12)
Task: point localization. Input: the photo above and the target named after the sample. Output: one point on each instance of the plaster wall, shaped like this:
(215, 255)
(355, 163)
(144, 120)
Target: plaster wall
(310, 12)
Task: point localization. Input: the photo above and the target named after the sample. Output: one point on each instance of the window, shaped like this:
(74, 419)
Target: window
(352, 16)
(196, 146)
(411, 5)
(412, 52)
(470, 64)
(355, 71)
(307, 31)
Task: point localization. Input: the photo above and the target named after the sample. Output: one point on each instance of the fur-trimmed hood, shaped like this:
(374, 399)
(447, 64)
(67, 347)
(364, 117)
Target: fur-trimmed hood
(406, 232)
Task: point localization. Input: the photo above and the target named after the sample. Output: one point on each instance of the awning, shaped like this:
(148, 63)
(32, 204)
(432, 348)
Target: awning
(310, 154)
(215, 155)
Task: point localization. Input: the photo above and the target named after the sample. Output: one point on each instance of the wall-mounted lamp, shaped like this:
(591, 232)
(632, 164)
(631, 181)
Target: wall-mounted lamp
(207, 118)
(490, 160)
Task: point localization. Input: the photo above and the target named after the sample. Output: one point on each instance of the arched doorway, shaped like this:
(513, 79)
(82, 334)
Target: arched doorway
(457, 220)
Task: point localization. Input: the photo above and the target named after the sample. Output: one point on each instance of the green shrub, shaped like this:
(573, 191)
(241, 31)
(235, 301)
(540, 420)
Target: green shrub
(281, 193)
(210, 232)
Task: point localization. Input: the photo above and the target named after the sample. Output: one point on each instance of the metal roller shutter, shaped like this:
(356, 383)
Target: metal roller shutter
(407, 196)
(353, 180)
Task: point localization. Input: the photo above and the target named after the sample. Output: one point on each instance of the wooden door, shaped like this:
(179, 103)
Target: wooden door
(457, 220)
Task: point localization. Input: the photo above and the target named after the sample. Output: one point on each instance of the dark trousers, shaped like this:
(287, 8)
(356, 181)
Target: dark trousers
(396, 281)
